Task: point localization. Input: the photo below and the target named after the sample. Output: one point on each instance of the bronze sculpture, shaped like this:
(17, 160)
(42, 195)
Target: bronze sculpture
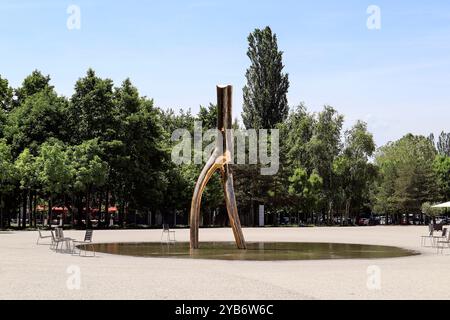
(219, 160)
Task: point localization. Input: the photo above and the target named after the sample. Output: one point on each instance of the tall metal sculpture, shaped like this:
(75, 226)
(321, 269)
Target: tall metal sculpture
(219, 160)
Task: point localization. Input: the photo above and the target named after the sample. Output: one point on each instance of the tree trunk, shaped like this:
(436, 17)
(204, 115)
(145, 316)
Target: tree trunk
(49, 222)
(99, 206)
(107, 216)
(30, 208)
(24, 209)
(79, 210)
(347, 210)
(1, 212)
(35, 209)
(88, 210)
(121, 213)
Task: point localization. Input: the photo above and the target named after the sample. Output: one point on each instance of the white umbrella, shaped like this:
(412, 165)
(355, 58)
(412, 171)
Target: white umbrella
(442, 205)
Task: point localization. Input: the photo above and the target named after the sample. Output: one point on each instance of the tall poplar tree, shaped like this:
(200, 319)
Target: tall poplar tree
(265, 100)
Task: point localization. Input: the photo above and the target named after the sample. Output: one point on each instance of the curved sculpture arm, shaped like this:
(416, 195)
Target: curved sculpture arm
(206, 174)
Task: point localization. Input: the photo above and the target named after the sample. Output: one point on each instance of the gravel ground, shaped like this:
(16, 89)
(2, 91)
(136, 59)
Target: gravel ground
(30, 271)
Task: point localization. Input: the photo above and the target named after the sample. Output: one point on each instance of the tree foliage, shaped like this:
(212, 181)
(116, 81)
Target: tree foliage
(265, 100)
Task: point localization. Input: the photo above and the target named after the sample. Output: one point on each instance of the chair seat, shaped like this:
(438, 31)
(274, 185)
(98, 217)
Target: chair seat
(64, 239)
(79, 241)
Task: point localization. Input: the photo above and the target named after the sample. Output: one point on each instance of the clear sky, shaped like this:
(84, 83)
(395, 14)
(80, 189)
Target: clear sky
(396, 78)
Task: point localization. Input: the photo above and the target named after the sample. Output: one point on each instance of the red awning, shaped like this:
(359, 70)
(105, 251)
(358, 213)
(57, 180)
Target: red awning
(65, 210)
(54, 209)
(112, 210)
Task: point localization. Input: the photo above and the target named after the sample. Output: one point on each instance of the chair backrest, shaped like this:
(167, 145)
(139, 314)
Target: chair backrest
(57, 234)
(88, 235)
(166, 227)
(431, 229)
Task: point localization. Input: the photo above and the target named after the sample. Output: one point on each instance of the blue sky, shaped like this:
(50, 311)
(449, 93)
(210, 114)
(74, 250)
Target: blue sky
(396, 78)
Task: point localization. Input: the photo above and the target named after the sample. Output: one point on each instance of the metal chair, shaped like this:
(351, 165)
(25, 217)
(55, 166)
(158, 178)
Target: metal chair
(53, 243)
(166, 231)
(429, 236)
(86, 242)
(443, 244)
(40, 236)
(59, 238)
(444, 236)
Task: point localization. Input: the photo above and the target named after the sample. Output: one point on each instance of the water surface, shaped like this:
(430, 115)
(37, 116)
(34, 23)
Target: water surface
(256, 251)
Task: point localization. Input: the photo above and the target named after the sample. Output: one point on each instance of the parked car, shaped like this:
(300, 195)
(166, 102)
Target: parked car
(284, 221)
(374, 221)
(442, 220)
(383, 220)
(342, 221)
(363, 221)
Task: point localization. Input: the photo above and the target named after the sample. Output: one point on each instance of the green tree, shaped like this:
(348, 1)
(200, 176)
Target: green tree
(441, 168)
(3, 118)
(94, 113)
(26, 171)
(40, 117)
(443, 144)
(88, 171)
(34, 83)
(306, 190)
(139, 165)
(297, 132)
(54, 173)
(91, 111)
(6, 96)
(429, 211)
(407, 179)
(265, 100)
(324, 148)
(352, 168)
(7, 178)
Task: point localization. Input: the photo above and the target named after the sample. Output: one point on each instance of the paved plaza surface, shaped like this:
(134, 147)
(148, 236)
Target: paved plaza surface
(30, 271)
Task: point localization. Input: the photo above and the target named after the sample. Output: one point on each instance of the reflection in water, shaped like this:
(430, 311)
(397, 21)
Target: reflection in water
(257, 251)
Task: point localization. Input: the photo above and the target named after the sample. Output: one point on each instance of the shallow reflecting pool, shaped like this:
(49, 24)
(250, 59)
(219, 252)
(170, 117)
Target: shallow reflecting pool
(257, 251)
